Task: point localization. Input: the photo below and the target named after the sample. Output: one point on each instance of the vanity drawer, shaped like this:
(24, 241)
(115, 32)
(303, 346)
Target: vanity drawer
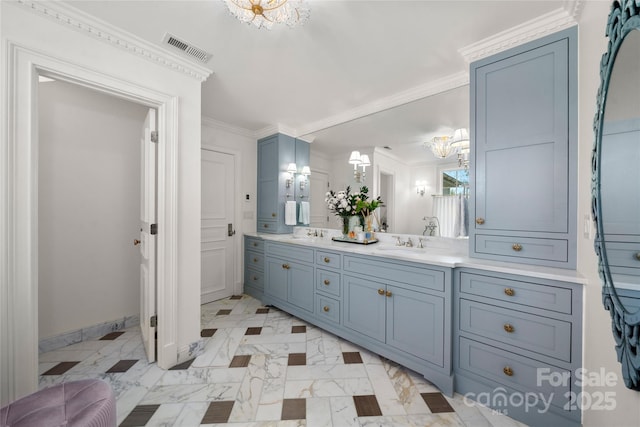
(624, 255)
(420, 277)
(254, 244)
(517, 292)
(267, 226)
(289, 252)
(253, 278)
(328, 281)
(538, 334)
(328, 259)
(254, 260)
(513, 370)
(328, 308)
(523, 247)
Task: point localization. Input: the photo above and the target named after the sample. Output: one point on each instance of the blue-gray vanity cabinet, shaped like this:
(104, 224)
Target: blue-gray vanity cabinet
(289, 274)
(519, 336)
(524, 104)
(405, 306)
(254, 266)
(275, 153)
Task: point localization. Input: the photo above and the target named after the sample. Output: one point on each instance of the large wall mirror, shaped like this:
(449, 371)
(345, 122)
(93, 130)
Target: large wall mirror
(616, 184)
(405, 173)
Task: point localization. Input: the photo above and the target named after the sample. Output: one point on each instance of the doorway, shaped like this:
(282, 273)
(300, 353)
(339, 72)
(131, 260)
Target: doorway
(387, 192)
(89, 197)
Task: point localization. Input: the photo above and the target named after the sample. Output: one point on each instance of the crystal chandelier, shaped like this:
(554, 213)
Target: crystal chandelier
(265, 13)
(441, 146)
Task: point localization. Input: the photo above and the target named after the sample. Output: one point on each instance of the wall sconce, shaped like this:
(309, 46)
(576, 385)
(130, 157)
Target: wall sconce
(306, 171)
(421, 187)
(358, 160)
(462, 144)
(291, 170)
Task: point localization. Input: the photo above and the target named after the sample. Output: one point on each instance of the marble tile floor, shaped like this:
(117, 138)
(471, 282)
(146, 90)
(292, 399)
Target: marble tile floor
(261, 367)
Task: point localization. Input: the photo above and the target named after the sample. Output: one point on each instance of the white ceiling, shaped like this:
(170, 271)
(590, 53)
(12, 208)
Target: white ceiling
(348, 55)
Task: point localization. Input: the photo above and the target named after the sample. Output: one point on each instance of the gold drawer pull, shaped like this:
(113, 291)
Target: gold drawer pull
(638, 256)
(327, 282)
(509, 328)
(286, 266)
(273, 215)
(327, 260)
(509, 291)
(325, 308)
(255, 278)
(265, 225)
(255, 244)
(380, 291)
(255, 260)
(388, 294)
(507, 371)
(479, 221)
(517, 247)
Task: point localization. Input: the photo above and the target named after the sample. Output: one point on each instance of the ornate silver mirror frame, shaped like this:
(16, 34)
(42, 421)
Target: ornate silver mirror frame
(623, 19)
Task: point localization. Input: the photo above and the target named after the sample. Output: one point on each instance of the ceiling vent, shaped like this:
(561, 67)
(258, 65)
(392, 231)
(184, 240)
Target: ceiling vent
(187, 48)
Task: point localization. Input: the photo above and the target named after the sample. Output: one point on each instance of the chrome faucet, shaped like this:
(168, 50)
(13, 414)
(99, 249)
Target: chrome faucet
(409, 243)
(420, 245)
(398, 241)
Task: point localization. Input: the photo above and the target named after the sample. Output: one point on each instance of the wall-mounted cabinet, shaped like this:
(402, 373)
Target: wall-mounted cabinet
(524, 103)
(276, 186)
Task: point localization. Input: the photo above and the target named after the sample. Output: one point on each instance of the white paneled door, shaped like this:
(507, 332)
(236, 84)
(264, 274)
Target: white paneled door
(147, 240)
(218, 230)
(319, 182)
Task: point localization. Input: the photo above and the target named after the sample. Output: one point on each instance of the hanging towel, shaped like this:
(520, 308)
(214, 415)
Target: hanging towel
(303, 218)
(290, 213)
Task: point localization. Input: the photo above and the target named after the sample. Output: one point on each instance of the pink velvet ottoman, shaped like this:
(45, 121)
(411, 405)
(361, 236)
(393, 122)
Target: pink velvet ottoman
(85, 403)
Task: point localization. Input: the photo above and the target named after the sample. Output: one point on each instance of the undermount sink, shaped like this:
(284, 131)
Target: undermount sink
(404, 249)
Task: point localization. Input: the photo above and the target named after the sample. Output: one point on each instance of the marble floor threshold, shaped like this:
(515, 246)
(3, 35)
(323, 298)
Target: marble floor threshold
(262, 367)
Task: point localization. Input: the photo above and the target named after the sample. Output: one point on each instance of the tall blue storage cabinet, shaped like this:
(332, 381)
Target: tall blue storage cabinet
(523, 130)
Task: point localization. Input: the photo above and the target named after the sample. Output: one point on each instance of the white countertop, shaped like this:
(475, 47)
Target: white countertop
(441, 252)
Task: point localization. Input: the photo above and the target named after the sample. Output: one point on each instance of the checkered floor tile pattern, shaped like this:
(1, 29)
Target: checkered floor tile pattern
(261, 367)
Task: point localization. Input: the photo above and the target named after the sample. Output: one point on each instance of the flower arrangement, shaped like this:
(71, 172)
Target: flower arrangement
(346, 204)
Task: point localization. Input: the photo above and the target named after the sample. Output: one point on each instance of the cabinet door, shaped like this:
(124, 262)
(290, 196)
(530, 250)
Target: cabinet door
(301, 286)
(277, 277)
(364, 306)
(415, 323)
(268, 201)
(521, 140)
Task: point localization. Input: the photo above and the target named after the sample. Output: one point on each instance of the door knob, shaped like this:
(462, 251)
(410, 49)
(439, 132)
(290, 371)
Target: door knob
(136, 242)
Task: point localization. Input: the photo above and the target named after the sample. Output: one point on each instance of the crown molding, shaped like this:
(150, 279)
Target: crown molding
(71, 17)
(277, 128)
(418, 92)
(546, 24)
(226, 127)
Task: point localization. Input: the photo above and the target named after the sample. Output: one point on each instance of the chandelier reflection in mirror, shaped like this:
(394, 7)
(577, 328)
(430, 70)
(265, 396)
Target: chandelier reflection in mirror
(266, 13)
(446, 146)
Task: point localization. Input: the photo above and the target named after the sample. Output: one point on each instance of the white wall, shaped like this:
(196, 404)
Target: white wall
(599, 347)
(89, 207)
(64, 47)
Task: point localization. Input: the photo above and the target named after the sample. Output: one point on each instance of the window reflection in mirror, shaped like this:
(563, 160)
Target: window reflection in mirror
(455, 182)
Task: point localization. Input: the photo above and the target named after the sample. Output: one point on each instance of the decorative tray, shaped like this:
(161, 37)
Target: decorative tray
(359, 242)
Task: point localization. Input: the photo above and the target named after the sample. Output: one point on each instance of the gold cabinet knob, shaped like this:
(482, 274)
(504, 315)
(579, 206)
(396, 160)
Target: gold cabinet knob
(638, 256)
(517, 247)
(136, 242)
(388, 293)
(327, 260)
(509, 328)
(327, 282)
(255, 260)
(479, 221)
(255, 278)
(509, 291)
(265, 225)
(255, 244)
(286, 266)
(325, 308)
(507, 371)
(273, 214)
(380, 291)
